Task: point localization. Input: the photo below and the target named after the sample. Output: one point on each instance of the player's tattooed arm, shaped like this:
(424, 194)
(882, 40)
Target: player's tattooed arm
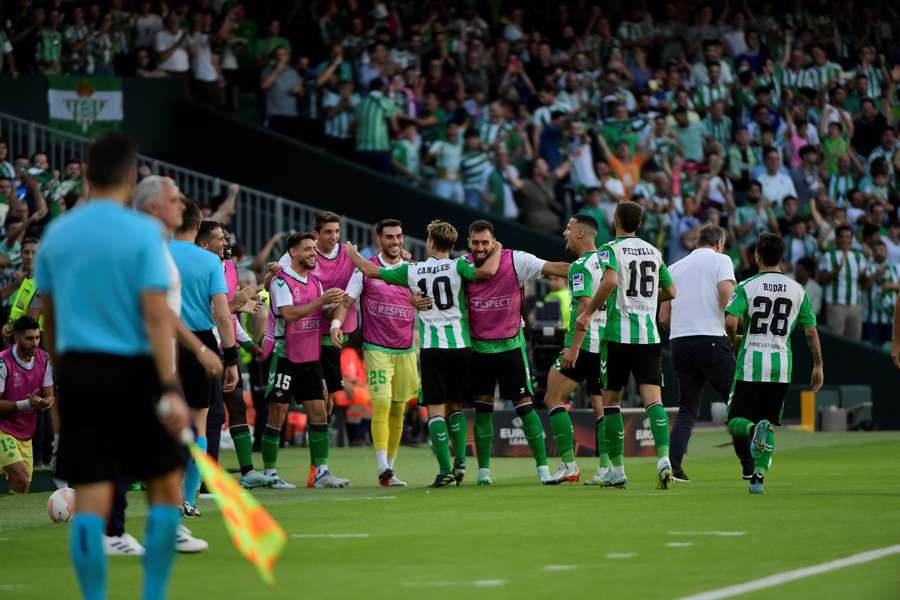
(731, 328)
(815, 348)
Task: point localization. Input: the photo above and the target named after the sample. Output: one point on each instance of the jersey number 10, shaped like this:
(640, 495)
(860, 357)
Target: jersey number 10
(646, 280)
(441, 291)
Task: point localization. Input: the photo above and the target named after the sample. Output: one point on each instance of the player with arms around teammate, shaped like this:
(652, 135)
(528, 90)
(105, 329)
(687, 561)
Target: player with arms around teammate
(443, 329)
(498, 343)
(26, 386)
(297, 302)
(202, 286)
(103, 277)
(769, 305)
(580, 359)
(388, 322)
(635, 281)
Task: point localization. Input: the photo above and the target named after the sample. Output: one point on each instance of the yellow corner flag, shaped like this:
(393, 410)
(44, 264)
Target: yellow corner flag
(253, 531)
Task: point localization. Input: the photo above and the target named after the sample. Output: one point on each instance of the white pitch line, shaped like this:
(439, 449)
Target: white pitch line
(679, 544)
(442, 584)
(787, 576)
(621, 555)
(331, 536)
(712, 533)
(556, 568)
(351, 498)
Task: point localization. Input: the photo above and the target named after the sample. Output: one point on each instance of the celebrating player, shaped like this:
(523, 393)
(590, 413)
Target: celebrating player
(202, 286)
(297, 300)
(635, 280)
(769, 305)
(26, 386)
(388, 342)
(580, 359)
(333, 269)
(498, 343)
(444, 328)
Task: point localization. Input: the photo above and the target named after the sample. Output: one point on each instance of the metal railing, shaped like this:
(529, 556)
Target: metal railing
(259, 215)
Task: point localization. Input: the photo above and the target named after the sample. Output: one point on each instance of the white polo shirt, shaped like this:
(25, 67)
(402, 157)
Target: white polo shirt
(695, 309)
(179, 61)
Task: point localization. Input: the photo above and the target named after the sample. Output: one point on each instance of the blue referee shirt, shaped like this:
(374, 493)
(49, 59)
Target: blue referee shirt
(95, 262)
(202, 277)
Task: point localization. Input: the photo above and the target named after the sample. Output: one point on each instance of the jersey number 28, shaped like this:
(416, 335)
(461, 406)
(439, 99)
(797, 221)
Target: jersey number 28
(777, 310)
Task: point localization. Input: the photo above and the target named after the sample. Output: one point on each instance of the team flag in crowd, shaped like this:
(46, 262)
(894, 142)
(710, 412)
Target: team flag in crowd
(253, 530)
(85, 105)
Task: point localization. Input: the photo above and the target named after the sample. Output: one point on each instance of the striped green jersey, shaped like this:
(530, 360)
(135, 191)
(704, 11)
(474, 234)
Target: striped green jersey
(631, 308)
(705, 95)
(446, 324)
(770, 305)
(789, 79)
(879, 303)
(840, 186)
(406, 152)
(817, 77)
(844, 289)
(371, 122)
(474, 165)
(719, 130)
(584, 279)
(339, 126)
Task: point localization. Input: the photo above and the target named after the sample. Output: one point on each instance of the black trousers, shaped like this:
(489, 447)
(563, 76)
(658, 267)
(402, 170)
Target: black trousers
(697, 360)
(215, 418)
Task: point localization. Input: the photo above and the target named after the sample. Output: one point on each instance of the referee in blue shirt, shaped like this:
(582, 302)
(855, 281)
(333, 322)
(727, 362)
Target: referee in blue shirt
(103, 278)
(202, 286)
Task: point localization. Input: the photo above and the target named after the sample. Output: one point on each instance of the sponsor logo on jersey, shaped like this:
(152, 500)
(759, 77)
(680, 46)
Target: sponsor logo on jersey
(496, 303)
(578, 282)
(603, 255)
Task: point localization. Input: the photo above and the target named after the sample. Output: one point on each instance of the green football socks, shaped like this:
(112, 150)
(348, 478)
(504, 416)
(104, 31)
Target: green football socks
(243, 446)
(319, 441)
(440, 442)
(458, 432)
(534, 432)
(615, 434)
(659, 426)
(271, 440)
(602, 450)
(563, 433)
(740, 427)
(484, 433)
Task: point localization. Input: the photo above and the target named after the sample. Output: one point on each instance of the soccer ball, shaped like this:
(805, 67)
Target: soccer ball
(61, 505)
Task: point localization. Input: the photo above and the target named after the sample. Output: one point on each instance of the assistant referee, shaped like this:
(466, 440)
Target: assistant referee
(700, 349)
(103, 277)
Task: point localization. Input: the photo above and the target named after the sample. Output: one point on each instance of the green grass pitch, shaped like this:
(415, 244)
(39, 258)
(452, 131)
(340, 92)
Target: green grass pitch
(828, 496)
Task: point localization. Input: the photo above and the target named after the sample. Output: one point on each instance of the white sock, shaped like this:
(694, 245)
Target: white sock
(620, 470)
(381, 460)
(391, 462)
(272, 472)
(571, 465)
(321, 469)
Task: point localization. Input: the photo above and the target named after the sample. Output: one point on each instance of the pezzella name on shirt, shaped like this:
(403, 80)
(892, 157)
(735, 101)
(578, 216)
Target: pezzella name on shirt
(638, 251)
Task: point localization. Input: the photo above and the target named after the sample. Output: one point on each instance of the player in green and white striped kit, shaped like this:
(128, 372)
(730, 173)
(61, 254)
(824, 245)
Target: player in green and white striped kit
(769, 305)
(580, 359)
(635, 281)
(882, 281)
(443, 329)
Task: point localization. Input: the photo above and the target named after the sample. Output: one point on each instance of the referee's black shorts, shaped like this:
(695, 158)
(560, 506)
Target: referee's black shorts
(108, 421)
(198, 387)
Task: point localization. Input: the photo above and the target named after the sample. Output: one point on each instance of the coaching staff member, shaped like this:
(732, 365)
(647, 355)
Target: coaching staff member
(700, 350)
(103, 277)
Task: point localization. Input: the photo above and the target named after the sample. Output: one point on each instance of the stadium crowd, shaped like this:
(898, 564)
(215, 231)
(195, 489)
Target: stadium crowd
(749, 116)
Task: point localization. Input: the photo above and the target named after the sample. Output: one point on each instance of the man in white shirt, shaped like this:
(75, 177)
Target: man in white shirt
(206, 77)
(701, 351)
(776, 185)
(171, 46)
